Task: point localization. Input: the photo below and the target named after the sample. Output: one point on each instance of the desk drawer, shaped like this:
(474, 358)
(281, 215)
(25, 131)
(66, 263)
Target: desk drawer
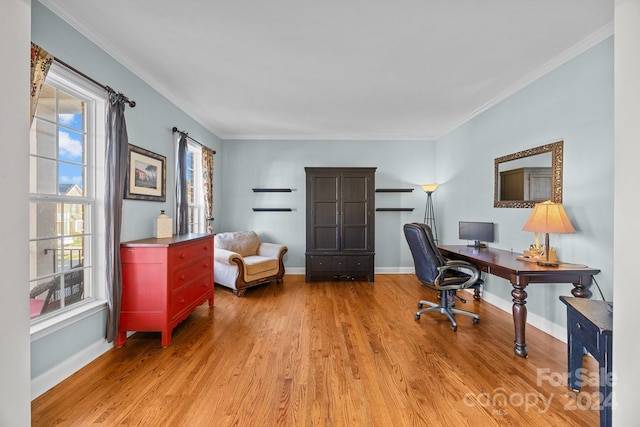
(584, 331)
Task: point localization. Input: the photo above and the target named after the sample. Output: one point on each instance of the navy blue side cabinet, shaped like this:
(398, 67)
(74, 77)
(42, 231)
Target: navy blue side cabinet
(589, 328)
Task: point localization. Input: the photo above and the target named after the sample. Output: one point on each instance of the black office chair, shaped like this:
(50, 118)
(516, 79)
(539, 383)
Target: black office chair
(445, 276)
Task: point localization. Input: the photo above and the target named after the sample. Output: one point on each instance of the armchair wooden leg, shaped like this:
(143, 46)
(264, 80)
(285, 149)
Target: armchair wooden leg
(239, 292)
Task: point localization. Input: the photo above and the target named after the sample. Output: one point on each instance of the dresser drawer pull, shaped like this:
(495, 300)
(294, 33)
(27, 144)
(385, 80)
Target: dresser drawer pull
(578, 326)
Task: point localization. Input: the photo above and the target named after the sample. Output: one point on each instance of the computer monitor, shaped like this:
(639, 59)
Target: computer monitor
(477, 232)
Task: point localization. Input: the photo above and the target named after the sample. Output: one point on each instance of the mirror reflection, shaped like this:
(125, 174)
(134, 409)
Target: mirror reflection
(528, 177)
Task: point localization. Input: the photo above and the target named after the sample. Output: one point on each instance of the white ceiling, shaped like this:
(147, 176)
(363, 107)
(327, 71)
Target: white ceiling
(338, 69)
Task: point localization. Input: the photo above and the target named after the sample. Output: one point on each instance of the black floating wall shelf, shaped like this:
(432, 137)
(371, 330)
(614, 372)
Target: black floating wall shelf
(272, 209)
(394, 190)
(272, 190)
(394, 209)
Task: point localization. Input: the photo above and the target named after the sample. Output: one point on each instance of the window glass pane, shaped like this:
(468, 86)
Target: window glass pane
(43, 218)
(47, 103)
(190, 190)
(70, 111)
(58, 292)
(81, 252)
(40, 288)
(45, 257)
(74, 286)
(71, 217)
(43, 176)
(38, 293)
(43, 138)
(70, 145)
(71, 180)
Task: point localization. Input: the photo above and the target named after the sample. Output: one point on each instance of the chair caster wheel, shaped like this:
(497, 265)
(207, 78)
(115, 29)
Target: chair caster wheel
(454, 328)
(475, 321)
(419, 305)
(417, 317)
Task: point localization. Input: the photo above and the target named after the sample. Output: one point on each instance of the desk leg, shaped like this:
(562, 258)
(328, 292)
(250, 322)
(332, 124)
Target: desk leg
(581, 288)
(519, 318)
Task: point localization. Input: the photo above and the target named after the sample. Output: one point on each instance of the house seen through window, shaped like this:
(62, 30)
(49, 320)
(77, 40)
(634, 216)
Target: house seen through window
(62, 184)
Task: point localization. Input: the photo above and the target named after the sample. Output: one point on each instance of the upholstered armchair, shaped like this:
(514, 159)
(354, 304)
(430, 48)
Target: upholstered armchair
(242, 260)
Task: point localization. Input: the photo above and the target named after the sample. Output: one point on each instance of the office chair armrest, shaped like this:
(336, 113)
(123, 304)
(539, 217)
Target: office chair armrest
(462, 266)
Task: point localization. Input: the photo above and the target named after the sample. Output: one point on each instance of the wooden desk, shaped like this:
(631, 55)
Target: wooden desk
(504, 264)
(590, 328)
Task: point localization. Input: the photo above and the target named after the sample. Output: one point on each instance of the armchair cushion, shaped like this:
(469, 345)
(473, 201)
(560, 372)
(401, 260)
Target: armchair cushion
(241, 260)
(244, 243)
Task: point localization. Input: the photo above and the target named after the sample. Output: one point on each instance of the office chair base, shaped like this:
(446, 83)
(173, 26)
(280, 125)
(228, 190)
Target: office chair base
(447, 311)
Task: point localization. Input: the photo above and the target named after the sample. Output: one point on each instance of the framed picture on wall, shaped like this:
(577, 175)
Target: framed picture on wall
(146, 177)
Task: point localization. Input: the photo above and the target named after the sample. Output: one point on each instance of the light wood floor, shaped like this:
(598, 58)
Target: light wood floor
(326, 354)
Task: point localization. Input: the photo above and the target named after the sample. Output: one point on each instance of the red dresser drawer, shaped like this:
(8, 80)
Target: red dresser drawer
(188, 252)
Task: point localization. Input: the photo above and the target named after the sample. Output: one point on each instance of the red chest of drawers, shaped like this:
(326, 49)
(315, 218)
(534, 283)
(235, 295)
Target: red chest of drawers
(163, 281)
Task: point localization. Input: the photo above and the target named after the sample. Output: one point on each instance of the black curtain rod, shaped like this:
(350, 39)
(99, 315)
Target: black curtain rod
(131, 102)
(175, 129)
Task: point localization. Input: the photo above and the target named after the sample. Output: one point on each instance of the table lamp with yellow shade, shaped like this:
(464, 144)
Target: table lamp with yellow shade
(548, 217)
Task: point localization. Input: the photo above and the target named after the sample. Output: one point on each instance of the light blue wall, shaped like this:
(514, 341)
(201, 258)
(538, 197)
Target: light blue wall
(149, 126)
(250, 164)
(573, 103)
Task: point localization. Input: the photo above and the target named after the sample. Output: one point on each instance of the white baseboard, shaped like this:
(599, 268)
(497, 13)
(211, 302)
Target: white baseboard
(533, 319)
(378, 270)
(52, 377)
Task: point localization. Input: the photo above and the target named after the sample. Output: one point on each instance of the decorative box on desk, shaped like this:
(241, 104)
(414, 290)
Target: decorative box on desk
(163, 281)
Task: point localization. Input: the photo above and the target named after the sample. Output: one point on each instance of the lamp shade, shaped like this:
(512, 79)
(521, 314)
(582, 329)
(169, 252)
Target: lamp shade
(429, 188)
(548, 217)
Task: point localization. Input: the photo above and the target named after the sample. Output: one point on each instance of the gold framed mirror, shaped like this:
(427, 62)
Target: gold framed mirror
(528, 177)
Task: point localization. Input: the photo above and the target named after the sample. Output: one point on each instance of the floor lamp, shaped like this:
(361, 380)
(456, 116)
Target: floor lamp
(429, 212)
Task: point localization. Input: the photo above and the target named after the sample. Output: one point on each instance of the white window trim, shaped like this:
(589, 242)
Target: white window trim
(198, 190)
(97, 301)
(197, 186)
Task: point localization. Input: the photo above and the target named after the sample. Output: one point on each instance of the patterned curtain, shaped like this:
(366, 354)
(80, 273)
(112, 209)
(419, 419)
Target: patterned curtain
(182, 220)
(207, 182)
(40, 63)
(117, 151)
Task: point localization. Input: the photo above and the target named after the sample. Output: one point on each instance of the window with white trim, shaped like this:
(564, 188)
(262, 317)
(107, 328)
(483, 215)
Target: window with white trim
(67, 142)
(195, 196)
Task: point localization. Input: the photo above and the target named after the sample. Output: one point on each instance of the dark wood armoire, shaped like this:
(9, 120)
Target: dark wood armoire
(340, 223)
